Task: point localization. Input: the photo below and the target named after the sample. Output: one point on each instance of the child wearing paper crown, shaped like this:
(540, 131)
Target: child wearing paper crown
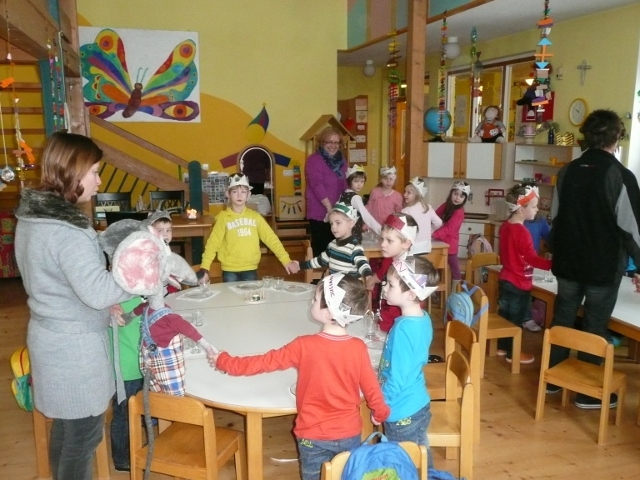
(425, 216)
(333, 368)
(351, 196)
(518, 260)
(452, 214)
(344, 254)
(398, 234)
(409, 282)
(236, 238)
(384, 200)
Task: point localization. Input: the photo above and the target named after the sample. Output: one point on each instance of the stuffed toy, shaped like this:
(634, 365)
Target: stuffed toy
(490, 130)
(142, 264)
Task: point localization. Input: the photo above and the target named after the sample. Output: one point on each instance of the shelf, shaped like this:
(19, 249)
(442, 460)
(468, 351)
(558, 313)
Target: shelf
(538, 164)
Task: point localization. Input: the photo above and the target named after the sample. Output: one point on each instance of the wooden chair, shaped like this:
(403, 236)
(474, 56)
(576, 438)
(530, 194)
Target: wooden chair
(440, 263)
(311, 274)
(333, 470)
(462, 338)
(191, 447)
(41, 426)
(453, 421)
(496, 326)
(575, 375)
(113, 217)
(118, 201)
(172, 200)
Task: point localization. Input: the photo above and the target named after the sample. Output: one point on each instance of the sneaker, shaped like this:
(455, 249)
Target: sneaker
(589, 403)
(525, 359)
(531, 325)
(553, 389)
(501, 353)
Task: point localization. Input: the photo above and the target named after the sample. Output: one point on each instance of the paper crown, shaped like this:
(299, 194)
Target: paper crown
(354, 169)
(463, 187)
(420, 186)
(333, 296)
(416, 282)
(239, 180)
(384, 171)
(530, 192)
(347, 210)
(410, 233)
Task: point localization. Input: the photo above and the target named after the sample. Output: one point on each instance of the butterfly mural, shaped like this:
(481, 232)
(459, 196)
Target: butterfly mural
(109, 88)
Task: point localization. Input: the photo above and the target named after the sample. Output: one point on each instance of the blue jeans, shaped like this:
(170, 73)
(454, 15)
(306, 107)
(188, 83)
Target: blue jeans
(313, 453)
(72, 445)
(120, 424)
(239, 276)
(512, 305)
(411, 429)
(599, 301)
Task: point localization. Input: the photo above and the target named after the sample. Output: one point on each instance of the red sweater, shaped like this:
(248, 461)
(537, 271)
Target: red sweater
(168, 327)
(449, 232)
(388, 313)
(332, 370)
(518, 256)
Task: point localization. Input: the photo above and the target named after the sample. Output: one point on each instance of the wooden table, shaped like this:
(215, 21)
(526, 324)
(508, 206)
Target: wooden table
(624, 318)
(188, 229)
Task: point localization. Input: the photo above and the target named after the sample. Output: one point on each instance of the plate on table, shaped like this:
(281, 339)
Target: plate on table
(295, 288)
(292, 389)
(538, 278)
(197, 294)
(249, 286)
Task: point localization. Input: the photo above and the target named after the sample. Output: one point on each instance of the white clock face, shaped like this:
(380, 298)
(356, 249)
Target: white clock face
(578, 111)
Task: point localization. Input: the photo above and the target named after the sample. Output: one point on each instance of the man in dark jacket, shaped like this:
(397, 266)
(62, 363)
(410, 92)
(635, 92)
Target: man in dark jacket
(596, 218)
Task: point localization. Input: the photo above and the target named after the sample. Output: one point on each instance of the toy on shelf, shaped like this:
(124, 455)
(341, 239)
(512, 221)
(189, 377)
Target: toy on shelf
(491, 129)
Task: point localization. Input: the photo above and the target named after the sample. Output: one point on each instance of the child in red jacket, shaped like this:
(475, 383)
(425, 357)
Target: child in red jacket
(518, 260)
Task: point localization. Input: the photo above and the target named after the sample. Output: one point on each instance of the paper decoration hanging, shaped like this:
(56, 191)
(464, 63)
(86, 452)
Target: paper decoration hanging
(394, 80)
(542, 65)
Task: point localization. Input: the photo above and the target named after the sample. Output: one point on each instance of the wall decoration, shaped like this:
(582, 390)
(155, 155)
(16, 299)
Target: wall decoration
(257, 128)
(111, 58)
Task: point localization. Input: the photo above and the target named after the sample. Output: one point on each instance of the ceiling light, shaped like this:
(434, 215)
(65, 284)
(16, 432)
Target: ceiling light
(369, 69)
(452, 48)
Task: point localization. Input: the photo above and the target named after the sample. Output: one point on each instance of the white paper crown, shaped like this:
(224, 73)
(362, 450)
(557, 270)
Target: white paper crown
(354, 169)
(420, 186)
(239, 181)
(408, 232)
(416, 282)
(530, 192)
(384, 171)
(348, 210)
(463, 187)
(333, 296)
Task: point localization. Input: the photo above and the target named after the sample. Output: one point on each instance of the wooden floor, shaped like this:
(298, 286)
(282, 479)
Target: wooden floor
(513, 445)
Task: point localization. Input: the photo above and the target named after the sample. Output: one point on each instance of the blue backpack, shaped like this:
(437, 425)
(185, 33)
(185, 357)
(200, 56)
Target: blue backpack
(386, 460)
(460, 306)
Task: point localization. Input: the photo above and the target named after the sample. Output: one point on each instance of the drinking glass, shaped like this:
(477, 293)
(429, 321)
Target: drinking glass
(278, 283)
(371, 326)
(204, 285)
(196, 348)
(198, 318)
(254, 296)
(267, 281)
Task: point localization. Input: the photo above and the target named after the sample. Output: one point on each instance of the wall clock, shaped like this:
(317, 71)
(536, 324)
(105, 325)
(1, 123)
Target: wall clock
(578, 111)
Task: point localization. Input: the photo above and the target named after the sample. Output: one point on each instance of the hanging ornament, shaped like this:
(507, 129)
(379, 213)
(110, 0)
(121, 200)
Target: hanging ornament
(476, 64)
(542, 66)
(394, 80)
(442, 78)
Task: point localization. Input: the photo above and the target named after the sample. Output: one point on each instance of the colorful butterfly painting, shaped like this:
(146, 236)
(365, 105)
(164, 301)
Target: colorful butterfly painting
(109, 89)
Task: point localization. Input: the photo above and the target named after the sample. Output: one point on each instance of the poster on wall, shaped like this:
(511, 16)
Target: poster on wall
(132, 75)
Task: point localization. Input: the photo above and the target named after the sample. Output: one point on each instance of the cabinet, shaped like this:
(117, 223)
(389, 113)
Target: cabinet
(481, 161)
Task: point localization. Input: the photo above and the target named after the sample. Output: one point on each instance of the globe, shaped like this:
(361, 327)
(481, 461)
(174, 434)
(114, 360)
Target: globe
(432, 121)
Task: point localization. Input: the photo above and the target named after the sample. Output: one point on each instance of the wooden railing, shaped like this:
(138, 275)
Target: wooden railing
(139, 169)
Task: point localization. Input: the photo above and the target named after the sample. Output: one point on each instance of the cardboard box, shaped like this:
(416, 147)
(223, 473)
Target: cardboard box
(291, 208)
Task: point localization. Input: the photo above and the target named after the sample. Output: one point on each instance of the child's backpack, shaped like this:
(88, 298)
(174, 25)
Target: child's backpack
(386, 460)
(21, 384)
(460, 306)
(478, 244)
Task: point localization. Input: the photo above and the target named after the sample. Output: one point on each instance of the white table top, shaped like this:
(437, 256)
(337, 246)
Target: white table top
(627, 304)
(240, 328)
